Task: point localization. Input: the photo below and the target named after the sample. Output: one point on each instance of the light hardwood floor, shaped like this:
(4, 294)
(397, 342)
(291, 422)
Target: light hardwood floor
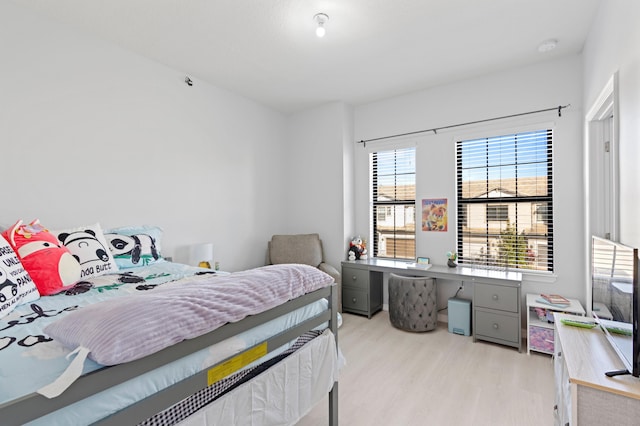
(393, 377)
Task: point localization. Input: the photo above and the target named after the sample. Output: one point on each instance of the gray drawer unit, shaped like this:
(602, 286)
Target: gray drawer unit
(497, 297)
(497, 326)
(496, 314)
(357, 278)
(355, 300)
(361, 291)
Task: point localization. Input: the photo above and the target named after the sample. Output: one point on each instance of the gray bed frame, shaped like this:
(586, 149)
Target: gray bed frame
(33, 406)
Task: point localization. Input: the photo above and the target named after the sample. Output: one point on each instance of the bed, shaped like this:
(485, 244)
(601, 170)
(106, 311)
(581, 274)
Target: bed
(268, 365)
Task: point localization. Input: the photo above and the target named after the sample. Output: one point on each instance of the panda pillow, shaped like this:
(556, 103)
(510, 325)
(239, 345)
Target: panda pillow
(16, 285)
(90, 248)
(134, 246)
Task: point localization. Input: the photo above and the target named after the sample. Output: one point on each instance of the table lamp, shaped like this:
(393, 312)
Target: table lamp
(201, 255)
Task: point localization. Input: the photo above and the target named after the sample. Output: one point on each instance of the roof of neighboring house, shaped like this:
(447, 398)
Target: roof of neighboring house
(400, 192)
(527, 187)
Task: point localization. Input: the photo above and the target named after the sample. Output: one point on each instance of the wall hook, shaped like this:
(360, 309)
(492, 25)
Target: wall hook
(188, 81)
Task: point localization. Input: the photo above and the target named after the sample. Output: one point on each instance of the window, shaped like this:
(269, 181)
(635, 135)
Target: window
(498, 213)
(505, 201)
(393, 190)
(539, 212)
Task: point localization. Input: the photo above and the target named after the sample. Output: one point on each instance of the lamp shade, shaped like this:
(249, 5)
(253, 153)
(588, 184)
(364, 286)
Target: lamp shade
(201, 254)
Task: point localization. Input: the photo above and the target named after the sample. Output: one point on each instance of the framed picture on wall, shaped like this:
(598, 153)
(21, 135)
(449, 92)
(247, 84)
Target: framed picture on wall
(434, 214)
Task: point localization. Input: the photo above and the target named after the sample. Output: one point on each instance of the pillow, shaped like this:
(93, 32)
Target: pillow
(49, 263)
(88, 245)
(16, 286)
(133, 246)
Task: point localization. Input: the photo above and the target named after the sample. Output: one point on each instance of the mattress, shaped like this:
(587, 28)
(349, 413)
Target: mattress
(203, 398)
(281, 395)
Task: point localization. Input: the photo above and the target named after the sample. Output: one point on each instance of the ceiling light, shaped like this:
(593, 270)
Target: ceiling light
(547, 45)
(321, 19)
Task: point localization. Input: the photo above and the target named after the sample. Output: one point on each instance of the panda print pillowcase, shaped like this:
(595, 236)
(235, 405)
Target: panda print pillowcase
(16, 285)
(90, 248)
(134, 246)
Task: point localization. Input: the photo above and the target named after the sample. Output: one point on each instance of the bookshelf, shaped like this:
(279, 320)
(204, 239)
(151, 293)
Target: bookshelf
(540, 335)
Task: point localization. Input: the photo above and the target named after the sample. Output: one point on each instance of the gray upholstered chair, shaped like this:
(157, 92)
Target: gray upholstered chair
(305, 249)
(412, 303)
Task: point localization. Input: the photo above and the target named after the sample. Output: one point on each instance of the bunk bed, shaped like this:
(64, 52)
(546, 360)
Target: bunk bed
(175, 374)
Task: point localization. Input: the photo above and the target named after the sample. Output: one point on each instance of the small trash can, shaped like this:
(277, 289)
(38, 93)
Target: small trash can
(459, 312)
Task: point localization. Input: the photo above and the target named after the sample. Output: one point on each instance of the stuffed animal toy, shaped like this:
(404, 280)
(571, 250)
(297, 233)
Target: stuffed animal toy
(50, 264)
(357, 249)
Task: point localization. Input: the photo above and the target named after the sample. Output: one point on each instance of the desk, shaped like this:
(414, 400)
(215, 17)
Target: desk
(496, 294)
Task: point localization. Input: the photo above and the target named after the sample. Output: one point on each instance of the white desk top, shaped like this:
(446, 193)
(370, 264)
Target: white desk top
(438, 271)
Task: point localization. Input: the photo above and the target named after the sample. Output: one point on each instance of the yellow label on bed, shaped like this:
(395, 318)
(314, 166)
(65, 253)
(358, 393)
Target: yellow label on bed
(234, 364)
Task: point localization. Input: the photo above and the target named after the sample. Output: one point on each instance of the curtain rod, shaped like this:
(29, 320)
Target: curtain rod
(559, 108)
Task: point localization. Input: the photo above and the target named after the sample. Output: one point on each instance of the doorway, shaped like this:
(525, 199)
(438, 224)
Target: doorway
(602, 164)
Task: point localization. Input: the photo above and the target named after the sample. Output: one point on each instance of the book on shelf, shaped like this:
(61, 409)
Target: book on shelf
(551, 305)
(555, 299)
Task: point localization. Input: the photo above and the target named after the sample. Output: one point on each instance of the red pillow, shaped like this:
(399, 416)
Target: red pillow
(49, 263)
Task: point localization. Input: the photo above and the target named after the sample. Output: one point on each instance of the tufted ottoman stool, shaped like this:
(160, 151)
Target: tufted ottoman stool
(412, 303)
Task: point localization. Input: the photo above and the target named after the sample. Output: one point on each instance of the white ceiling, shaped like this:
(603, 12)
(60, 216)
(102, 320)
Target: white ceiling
(267, 50)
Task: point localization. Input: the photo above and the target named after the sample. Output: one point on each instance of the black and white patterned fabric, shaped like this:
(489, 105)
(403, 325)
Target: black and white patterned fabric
(193, 403)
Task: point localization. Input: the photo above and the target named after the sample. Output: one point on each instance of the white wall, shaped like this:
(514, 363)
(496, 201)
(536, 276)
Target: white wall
(614, 45)
(90, 132)
(525, 89)
(318, 180)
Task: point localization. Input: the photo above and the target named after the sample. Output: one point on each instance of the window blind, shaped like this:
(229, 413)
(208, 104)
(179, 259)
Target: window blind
(393, 193)
(505, 200)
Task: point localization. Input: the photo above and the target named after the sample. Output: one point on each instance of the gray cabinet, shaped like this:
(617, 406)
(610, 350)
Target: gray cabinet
(496, 314)
(361, 290)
